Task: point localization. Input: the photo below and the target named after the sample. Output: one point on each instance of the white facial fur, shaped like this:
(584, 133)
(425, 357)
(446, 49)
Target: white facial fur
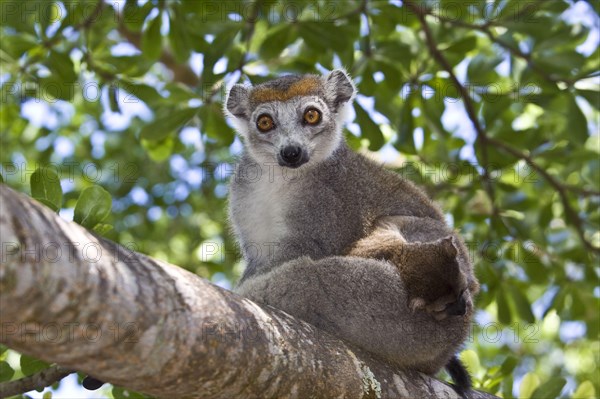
(317, 141)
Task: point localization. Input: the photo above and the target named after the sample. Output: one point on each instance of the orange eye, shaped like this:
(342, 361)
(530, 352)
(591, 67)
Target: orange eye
(312, 116)
(265, 123)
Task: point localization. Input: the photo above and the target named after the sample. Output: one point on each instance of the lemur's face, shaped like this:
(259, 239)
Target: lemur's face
(293, 120)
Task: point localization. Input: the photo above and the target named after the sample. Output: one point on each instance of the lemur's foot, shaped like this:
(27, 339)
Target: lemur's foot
(443, 307)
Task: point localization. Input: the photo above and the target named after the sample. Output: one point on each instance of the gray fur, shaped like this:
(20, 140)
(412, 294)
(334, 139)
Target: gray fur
(293, 225)
(237, 101)
(339, 88)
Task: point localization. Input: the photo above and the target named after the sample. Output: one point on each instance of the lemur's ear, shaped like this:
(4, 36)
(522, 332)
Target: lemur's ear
(236, 103)
(449, 246)
(339, 88)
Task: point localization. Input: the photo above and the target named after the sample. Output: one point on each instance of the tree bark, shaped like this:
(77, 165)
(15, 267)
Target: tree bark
(88, 304)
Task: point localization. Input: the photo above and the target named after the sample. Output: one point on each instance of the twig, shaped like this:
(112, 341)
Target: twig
(251, 26)
(181, 72)
(514, 51)
(560, 188)
(39, 380)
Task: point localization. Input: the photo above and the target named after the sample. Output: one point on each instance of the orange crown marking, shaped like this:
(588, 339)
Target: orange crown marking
(307, 86)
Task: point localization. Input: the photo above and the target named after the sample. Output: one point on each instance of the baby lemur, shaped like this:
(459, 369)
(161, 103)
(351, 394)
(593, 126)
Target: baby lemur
(335, 239)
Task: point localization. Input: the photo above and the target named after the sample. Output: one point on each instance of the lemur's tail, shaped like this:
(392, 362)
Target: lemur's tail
(460, 376)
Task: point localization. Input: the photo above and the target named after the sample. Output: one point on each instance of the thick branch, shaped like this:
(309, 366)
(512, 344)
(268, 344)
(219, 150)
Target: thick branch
(38, 380)
(88, 304)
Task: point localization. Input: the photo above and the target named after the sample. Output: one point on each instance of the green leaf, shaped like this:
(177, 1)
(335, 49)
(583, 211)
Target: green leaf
(406, 126)
(17, 45)
(493, 109)
(159, 150)
(178, 36)
(277, 38)
(113, 99)
(6, 372)
(471, 361)
(53, 87)
(507, 387)
(463, 45)
(151, 39)
(395, 52)
(134, 15)
(62, 67)
(578, 308)
(31, 365)
(528, 384)
(577, 122)
(147, 94)
(167, 122)
(213, 124)
(480, 203)
(559, 62)
(534, 267)
(127, 65)
(508, 365)
(585, 390)
(550, 389)
(92, 207)
(324, 37)
(522, 304)
(592, 97)
(45, 187)
(102, 228)
(481, 68)
(369, 129)
(503, 309)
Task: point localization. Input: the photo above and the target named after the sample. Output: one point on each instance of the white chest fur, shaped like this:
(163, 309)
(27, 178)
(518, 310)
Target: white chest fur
(258, 214)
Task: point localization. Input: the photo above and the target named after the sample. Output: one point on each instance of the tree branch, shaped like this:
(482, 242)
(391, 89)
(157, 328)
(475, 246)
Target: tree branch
(88, 304)
(560, 188)
(182, 73)
(35, 381)
(514, 51)
(485, 140)
(468, 102)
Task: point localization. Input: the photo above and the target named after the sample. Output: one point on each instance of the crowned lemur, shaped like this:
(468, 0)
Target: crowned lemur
(336, 239)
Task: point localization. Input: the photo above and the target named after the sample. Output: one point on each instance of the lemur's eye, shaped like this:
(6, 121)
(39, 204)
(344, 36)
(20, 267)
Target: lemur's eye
(312, 116)
(265, 123)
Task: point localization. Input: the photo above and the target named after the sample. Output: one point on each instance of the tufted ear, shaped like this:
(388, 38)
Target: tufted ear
(339, 88)
(237, 104)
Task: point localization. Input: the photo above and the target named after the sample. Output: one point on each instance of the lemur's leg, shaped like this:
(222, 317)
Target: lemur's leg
(364, 302)
(417, 229)
(429, 265)
(382, 243)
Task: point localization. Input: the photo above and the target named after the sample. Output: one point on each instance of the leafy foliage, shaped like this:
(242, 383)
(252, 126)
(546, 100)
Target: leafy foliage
(493, 106)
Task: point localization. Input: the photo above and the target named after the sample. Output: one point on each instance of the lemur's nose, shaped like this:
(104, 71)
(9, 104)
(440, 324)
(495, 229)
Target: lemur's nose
(292, 156)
